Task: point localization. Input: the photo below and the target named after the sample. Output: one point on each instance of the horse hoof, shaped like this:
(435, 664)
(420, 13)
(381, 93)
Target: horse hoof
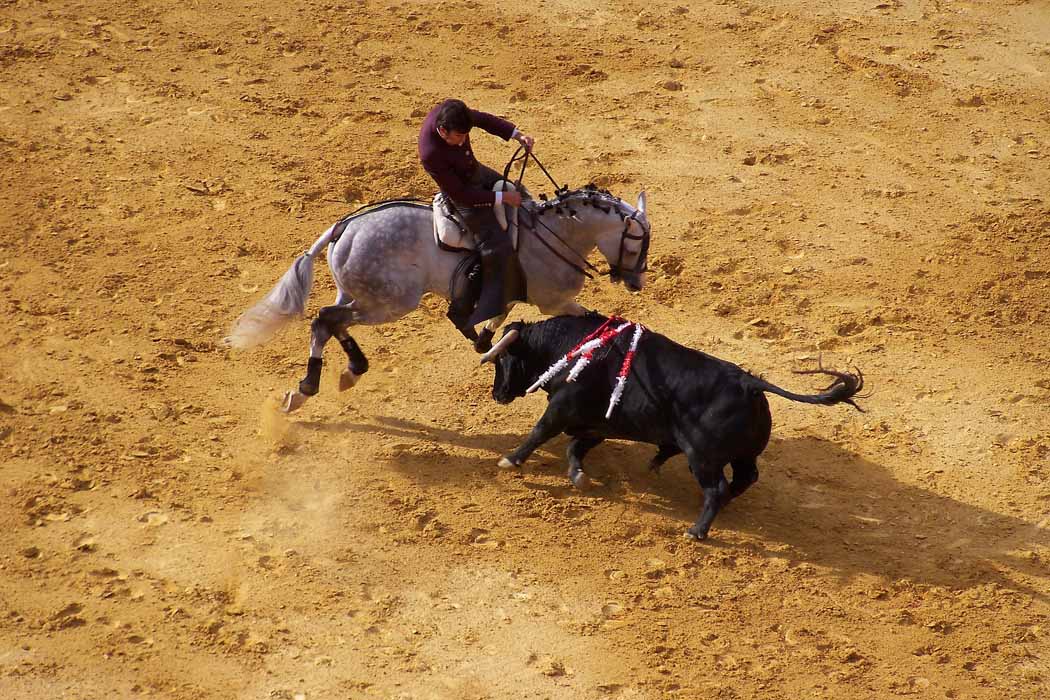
(484, 343)
(580, 481)
(293, 400)
(506, 463)
(695, 536)
(347, 380)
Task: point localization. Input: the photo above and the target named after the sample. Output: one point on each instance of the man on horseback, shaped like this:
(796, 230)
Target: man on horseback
(446, 155)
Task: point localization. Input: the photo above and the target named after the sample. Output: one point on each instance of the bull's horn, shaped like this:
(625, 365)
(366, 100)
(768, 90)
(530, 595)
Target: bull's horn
(500, 347)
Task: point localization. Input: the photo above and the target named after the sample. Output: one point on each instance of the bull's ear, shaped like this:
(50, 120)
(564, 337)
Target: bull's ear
(641, 201)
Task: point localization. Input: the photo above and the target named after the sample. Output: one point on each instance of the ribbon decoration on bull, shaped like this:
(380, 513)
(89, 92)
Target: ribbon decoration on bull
(584, 351)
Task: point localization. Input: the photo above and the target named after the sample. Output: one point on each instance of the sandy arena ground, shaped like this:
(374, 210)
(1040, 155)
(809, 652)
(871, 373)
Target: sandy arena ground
(861, 179)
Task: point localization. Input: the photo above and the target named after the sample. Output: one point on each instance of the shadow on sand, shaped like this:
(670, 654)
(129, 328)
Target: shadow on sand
(833, 508)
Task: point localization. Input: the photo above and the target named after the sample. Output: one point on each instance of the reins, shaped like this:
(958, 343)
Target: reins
(536, 220)
(524, 155)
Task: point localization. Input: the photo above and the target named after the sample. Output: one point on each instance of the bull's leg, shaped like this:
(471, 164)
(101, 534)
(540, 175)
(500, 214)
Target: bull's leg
(551, 423)
(745, 473)
(665, 453)
(716, 493)
(578, 447)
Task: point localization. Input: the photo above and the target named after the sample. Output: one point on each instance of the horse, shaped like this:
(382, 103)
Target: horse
(384, 258)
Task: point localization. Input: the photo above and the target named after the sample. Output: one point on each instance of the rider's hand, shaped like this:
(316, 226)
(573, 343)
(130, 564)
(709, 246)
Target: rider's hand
(526, 141)
(512, 198)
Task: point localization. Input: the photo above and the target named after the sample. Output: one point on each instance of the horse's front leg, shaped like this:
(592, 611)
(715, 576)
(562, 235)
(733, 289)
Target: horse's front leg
(488, 332)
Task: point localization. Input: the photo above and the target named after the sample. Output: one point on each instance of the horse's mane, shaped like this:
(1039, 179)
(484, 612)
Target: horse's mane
(588, 195)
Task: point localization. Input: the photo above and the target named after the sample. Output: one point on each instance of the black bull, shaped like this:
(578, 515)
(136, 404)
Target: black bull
(679, 399)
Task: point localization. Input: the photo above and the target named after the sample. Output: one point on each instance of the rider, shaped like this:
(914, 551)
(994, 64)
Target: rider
(444, 149)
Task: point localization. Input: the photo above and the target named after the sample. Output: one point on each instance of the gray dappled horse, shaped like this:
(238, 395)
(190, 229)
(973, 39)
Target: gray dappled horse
(386, 258)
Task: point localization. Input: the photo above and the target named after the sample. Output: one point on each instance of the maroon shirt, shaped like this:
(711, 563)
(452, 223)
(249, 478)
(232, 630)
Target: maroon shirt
(453, 166)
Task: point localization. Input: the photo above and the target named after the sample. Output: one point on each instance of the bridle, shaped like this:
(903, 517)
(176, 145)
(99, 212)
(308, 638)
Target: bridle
(616, 271)
(642, 263)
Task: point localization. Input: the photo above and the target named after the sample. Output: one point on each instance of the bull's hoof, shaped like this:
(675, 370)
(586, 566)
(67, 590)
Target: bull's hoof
(293, 400)
(692, 534)
(347, 380)
(506, 463)
(580, 481)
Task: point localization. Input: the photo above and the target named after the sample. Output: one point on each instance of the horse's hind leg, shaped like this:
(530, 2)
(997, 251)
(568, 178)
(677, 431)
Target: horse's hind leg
(330, 320)
(334, 320)
(357, 362)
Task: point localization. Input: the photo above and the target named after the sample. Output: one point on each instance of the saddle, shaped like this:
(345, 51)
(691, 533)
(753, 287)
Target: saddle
(451, 232)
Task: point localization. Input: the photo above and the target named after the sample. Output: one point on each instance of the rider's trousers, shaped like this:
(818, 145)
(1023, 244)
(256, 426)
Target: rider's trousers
(502, 280)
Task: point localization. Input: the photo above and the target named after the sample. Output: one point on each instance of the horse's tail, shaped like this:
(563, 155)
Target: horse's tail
(286, 301)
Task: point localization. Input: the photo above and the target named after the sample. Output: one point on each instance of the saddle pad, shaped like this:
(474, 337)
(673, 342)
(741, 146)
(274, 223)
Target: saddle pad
(452, 232)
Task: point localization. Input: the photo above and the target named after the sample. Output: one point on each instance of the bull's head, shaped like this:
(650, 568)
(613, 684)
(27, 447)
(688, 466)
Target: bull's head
(510, 381)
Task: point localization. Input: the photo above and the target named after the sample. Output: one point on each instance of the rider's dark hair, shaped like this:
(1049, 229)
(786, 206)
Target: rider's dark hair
(453, 115)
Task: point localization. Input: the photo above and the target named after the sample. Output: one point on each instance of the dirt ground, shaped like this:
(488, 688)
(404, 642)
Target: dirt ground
(861, 180)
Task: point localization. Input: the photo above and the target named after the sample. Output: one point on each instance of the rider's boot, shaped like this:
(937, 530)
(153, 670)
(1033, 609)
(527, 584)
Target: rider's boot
(463, 302)
(502, 280)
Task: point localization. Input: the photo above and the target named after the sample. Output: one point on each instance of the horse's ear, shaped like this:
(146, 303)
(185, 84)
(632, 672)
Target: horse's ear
(641, 201)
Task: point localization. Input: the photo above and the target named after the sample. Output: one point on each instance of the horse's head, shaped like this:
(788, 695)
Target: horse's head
(625, 243)
(593, 216)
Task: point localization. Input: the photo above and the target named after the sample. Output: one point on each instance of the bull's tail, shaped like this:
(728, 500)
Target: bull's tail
(286, 301)
(842, 390)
